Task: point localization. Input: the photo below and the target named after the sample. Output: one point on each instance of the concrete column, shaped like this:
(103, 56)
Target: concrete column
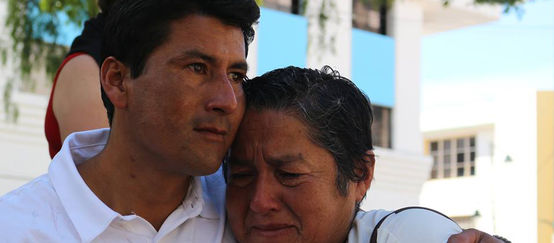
(332, 44)
(405, 26)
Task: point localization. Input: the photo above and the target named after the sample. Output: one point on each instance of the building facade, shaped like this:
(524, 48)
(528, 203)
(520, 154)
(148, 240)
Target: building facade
(496, 174)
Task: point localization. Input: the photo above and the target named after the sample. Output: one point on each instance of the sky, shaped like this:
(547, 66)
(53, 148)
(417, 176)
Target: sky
(515, 45)
(467, 69)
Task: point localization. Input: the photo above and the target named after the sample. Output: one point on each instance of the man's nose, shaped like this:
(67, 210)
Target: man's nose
(223, 98)
(264, 197)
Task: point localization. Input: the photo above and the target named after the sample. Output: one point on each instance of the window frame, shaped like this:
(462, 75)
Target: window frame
(453, 157)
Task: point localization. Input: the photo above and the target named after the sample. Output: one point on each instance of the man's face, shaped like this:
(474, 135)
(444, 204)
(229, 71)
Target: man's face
(282, 186)
(185, 108)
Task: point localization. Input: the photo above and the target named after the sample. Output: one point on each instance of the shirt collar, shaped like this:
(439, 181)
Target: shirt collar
(191, 207)
(88, 213)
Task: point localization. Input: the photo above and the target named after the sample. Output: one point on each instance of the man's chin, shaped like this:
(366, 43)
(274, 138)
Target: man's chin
(206, 167)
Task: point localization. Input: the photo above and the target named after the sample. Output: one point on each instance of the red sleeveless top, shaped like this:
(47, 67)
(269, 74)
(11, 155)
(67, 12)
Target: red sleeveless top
(88, 43)
(51, 128)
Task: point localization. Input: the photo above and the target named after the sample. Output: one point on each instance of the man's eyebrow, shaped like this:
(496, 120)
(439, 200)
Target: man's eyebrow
(193, 54)
(242, 65)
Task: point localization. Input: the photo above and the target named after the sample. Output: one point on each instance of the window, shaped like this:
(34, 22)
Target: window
(381, 127)
(446, 158)
(368, 16)
(289, 6)
(453, 157)
(434, 152)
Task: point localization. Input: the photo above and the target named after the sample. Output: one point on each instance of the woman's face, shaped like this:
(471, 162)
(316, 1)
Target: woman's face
(282, 186)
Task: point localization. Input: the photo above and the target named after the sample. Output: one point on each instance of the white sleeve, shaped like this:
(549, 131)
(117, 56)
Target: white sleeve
(411, 225)
(417, 225)
(363, 225)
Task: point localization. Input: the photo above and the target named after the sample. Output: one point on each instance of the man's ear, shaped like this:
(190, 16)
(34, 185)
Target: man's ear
(363, 185)
(113, 74)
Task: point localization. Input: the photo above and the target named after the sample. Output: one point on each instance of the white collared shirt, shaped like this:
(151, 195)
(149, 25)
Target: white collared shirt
(59, 206)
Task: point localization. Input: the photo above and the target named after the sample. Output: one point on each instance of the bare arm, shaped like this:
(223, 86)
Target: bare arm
(77, 103)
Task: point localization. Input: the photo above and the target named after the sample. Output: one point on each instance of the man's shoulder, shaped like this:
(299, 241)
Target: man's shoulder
(29, 195)
(30, 209)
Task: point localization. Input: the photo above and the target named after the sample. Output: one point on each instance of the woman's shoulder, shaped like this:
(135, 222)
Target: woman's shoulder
(413, 224)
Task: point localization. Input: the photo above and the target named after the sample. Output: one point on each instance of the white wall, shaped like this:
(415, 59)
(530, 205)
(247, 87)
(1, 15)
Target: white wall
(464, 196)
(516, 182)
(398, 179)
(23, 145)
(505, 193)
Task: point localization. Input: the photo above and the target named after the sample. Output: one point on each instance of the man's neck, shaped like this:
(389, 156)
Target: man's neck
(129, 185)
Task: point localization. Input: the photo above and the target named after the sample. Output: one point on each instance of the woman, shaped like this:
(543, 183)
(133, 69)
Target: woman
(75, 103)
(302, 162)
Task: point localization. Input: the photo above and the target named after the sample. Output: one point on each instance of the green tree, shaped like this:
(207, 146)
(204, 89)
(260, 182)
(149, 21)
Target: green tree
(34, 28)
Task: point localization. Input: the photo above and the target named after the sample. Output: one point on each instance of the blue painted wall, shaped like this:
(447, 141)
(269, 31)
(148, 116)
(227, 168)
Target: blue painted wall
(373, 66)
(282, 40)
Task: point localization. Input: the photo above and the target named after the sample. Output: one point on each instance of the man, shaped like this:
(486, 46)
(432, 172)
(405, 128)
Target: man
(171, 82)
(302, 163)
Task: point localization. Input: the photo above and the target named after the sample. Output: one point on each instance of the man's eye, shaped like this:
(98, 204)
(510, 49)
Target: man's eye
(237, 77)
(198, 68)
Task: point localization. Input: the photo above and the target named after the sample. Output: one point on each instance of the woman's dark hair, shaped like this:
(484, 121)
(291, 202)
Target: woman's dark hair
(337, 114)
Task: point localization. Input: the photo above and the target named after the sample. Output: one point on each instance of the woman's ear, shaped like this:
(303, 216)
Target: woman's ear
(113, 74)
(363, 185)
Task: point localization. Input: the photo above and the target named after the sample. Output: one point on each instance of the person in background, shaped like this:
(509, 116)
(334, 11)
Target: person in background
(302, 163)
(74, 103)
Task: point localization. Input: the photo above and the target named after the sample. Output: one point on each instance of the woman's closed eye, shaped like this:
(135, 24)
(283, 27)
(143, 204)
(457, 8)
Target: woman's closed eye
(290, 179)
(241, 178)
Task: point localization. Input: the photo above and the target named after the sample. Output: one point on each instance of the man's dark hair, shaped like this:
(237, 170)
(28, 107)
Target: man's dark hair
(337, 114)
(134, 28)
(105, 5)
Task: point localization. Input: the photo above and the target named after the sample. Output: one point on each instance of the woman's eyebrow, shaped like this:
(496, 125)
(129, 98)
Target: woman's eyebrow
(236, 161)
(281, 160)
